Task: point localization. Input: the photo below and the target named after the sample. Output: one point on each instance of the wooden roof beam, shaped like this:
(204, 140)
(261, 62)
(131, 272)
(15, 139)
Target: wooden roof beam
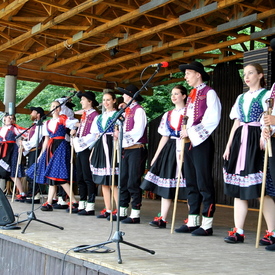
(129, 16)
(33, 94)
(218, 29)
(137, 36)
(183, 18)
(54, 78)
(222, 46)
(27, 19)
(193, 37)
(254, 7)
(12, 7)
(40, 28)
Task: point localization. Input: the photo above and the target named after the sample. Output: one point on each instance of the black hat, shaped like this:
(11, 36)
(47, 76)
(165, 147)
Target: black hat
(196, 66)
(39, 110)
(130, 90)
(90, 95)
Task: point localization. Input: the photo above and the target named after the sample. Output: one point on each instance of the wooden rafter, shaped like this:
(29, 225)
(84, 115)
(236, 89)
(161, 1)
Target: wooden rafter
(68, 43)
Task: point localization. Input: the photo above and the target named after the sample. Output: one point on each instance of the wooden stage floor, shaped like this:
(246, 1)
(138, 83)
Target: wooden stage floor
(174, 253)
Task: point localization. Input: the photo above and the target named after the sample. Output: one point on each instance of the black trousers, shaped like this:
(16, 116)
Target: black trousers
(198, 162)
(86, 186)
(131, 170)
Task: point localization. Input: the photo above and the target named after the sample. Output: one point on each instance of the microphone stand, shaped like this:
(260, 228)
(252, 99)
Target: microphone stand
(31, 214)
(118, 235)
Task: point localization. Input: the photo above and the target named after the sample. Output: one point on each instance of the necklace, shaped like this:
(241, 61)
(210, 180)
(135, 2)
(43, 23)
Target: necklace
(252, 92)
(178, 110)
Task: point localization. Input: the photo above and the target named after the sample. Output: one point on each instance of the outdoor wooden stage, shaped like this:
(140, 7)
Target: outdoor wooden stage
(46, 250)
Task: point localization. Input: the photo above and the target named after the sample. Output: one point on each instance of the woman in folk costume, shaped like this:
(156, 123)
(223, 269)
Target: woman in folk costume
(53, 165)
(162, 177)
(9, 154)
(101, 160)
(243, 155)
(67, 110)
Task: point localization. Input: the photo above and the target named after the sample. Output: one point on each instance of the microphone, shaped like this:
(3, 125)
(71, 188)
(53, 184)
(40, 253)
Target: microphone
(160, 65)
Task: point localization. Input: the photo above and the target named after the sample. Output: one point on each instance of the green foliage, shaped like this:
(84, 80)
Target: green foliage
(154, 105)
(43, 99)
(160, 101)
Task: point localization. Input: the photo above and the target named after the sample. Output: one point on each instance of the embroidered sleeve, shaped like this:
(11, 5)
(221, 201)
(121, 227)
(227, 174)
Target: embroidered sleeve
(70, 123)
(163, 129)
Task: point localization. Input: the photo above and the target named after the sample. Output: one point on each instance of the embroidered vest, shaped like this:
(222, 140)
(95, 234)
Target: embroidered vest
(255, 108)
(108, 122)
(130, 123)
(87, 126)
(200, 104)
(175, 132)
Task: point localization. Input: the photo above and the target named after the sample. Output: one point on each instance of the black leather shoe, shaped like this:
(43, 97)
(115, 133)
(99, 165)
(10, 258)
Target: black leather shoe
(234, 237)
(131, 220)
(186, 229)
(74, 208)
(158, 222)
(35, 201)
(83, 212)
(121, 218)
(270, 247)
(60, 206)
(202, 232)
(46, 207)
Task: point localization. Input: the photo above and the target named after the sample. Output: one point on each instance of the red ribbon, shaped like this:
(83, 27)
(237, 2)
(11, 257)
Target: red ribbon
(192, 95)
(83, 117)
(127, 111)
(4, 147)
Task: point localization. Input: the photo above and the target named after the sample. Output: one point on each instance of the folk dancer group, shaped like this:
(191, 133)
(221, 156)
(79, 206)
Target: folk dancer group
(243, 156)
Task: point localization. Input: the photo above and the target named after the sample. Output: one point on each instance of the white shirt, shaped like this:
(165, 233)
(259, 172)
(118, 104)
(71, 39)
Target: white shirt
(31, 143)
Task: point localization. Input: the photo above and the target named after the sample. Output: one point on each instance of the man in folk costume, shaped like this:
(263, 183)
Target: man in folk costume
(82, 141)
(29, 145)
(134, 155)
(203, 109)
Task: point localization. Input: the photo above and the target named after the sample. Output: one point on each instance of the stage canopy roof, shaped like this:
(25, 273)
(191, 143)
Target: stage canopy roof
(98, 44)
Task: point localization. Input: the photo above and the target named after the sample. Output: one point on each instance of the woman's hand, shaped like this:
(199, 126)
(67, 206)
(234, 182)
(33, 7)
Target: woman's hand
(226, 154)
(183, 133)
